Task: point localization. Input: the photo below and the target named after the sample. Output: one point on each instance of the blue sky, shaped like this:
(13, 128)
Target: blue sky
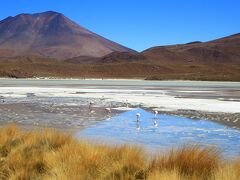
(140, 24)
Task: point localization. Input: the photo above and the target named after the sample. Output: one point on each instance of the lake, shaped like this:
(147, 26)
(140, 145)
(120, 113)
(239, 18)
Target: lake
(64, 104)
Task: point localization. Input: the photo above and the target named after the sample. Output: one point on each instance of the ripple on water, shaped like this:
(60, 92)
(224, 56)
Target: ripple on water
(171, 131)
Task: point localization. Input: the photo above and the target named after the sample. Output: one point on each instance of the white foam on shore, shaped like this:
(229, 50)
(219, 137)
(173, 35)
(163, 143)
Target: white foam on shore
(194, 91)
(123, 108)
(147, 98)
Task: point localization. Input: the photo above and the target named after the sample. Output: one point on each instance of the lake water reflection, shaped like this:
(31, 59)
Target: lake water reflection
(172, 131)
(64, 104)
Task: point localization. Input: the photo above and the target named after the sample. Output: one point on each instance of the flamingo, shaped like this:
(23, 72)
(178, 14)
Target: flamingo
(127, 103)
(155, 123)
(108, 110)
(91, 104)
(138, 116)
(90, 107)
(138, 126)
(155, 118)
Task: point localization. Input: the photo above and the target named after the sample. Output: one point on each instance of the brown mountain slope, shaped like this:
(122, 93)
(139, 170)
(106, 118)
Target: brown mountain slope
(51, 34)
(83, 60)
(91, 56)
(23, 67)
(224, 50)
(114, 57)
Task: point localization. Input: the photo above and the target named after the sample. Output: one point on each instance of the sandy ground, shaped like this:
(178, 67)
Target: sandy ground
(68, 99)
(228, 119)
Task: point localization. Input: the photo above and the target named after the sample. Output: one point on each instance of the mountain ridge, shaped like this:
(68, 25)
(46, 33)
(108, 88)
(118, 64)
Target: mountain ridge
(51, 45)
(51, 34)
(226, 49)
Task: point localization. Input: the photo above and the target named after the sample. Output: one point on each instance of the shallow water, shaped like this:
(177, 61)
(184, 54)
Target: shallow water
(67, 82)
(171, 132)
(52, 112)
(64, 104)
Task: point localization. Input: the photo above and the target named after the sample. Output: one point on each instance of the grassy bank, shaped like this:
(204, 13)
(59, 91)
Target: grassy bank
(49, 154)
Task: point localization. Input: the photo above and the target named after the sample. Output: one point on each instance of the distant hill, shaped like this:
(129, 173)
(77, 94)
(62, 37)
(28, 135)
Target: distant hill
(51, 34)
(224, 50)
(114, 57)
(122, 57)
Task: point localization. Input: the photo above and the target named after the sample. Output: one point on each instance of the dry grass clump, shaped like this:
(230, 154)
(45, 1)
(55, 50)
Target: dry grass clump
(189, 161)
(49, 154)
(22, 153)
(229, 171)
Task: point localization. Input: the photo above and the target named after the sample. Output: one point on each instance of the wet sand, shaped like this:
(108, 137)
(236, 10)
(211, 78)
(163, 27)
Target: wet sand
(57, 116)
(64, 103)
(228, 119)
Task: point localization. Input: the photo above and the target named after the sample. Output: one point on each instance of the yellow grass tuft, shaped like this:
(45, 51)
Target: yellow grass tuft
(189, 161)
(49, 154)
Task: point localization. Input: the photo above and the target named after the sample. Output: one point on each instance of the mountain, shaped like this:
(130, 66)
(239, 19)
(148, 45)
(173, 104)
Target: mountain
(51, 34)
(123, 57)
(224, 50)
(114, 57)
(51, 45)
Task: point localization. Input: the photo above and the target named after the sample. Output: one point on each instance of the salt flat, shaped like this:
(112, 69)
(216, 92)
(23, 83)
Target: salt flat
(212, 98)
(47, 98)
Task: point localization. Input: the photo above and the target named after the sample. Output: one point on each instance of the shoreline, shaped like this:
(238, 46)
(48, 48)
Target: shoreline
(231, 120)
(219, 103)
(116, 79)
(45, 155)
